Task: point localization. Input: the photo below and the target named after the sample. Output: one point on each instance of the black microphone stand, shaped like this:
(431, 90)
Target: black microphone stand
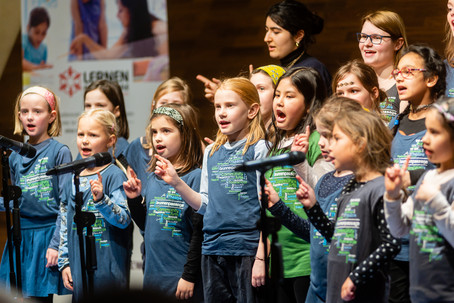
(85, 219)
(270, 226)
(11, 192)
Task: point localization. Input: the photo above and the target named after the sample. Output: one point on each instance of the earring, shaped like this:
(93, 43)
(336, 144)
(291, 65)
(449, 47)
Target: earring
(297, 44)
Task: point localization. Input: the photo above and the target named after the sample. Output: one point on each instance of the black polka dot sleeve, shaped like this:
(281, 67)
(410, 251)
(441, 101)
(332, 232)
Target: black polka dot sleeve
(320, 221)
(384, 253)
(292, 221)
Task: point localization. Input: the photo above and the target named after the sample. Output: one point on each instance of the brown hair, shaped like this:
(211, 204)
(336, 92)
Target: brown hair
(391, 23)
(326, 116)
(171, 85)
(190, 155)
(249, 95)
(366, 76)
(112, 90)
(368, 132)
(54, 128)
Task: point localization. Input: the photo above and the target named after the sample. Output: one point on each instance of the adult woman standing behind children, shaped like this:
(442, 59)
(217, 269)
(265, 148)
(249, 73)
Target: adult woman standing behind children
(381, 42)
(290, 30)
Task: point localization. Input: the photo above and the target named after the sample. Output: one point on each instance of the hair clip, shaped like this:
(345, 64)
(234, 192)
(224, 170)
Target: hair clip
(170, 112)
(345, 84)
(444, 111)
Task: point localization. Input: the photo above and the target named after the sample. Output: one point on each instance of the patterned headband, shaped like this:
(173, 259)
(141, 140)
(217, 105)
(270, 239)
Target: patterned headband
(43, 92)
(170, 112)
(274, 71)
(443, 109)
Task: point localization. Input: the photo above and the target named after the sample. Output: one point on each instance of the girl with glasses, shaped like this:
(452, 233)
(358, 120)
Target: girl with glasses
(381, 41)
(420, 79)
(427, 214)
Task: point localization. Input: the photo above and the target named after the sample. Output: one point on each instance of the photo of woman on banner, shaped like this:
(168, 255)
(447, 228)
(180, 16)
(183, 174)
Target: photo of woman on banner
(138, 38)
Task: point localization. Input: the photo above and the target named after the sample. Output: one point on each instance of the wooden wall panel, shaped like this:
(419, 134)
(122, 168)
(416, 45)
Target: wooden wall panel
(221, 38)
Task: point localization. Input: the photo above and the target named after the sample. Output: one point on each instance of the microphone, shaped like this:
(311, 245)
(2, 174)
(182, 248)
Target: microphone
(23, 149)
(290, 158)
(98, 159)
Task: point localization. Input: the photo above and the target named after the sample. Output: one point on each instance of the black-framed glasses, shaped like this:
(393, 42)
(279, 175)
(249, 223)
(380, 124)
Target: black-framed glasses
(374, 38)
(407, 73)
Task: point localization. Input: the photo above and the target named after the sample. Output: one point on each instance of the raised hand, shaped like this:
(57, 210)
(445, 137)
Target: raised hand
(166, 171)
(394, 177)
(305, 194)
(211, 86)
(273, 196)
(208, 140)
(301, 141)
(133, 186)
(97, 188)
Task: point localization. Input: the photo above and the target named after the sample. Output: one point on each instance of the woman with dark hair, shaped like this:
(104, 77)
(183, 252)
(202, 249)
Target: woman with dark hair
(290, 30)
(135, 41)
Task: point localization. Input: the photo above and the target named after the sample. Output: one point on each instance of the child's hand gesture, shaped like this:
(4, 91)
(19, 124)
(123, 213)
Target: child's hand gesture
(301, 141)
(394, 179)
(427, 191)
(133, 186)
(97, 188)
(273, 196)
(211, 86)
(348, 290)
(305, 194)
(166, 171)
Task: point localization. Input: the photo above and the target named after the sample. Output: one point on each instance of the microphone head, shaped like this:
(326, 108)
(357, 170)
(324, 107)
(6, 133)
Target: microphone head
(102, 158)
(296, 157)
(27, 150)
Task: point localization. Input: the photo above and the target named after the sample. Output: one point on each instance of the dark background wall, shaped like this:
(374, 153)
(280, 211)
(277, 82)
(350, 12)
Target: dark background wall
(220, 38)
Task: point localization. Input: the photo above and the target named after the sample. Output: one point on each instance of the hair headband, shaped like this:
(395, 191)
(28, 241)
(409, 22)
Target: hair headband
(274, 71)
(170, 112)
(444, 111)
(43, 92)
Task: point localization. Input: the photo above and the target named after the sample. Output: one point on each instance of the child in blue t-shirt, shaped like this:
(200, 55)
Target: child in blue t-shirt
(172, 230)
(103, 195)
(38, 116)
(228, 199)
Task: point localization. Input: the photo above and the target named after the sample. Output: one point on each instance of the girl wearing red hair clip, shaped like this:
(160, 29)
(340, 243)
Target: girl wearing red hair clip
(37, 115)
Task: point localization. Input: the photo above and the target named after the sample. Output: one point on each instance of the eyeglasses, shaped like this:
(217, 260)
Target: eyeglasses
(374, 38)
(406, 72)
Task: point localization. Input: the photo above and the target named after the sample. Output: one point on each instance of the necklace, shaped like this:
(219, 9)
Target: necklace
(294, 61)
(419, 108)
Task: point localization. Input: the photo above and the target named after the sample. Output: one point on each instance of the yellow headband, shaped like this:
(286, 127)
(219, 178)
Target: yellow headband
(274, 71)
